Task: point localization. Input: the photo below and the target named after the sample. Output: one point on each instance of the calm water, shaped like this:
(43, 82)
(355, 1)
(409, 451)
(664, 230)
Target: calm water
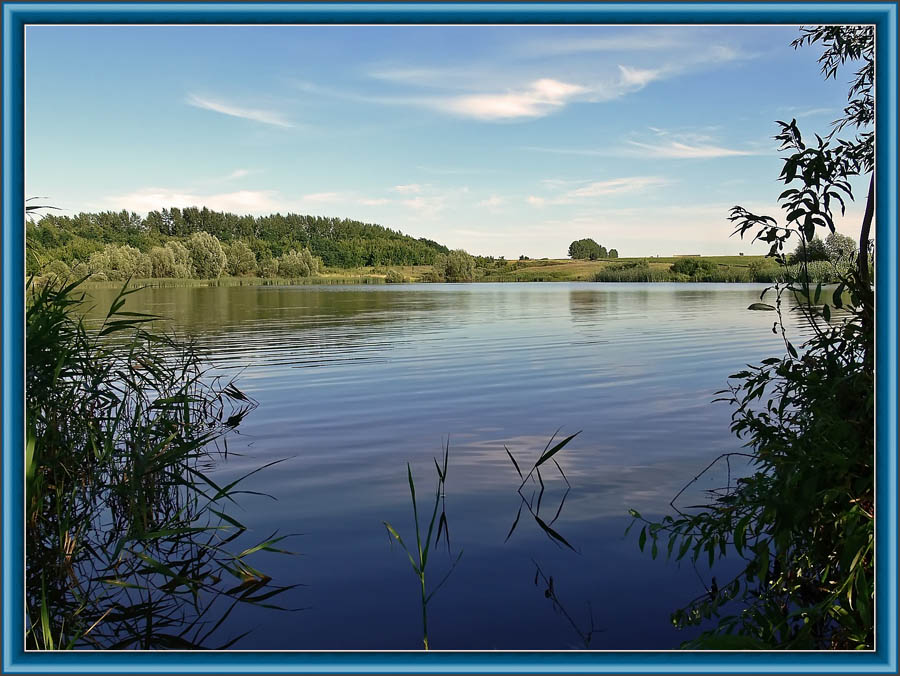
(354, 382)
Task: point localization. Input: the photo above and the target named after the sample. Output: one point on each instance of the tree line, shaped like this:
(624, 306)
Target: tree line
(336, 242)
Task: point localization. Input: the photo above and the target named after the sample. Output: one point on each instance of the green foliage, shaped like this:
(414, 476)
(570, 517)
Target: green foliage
(807, 252)
(456, 266)
(57, 269)
(162, 260)
(127, 541)
(207, 256)
(840, 248)
(696, 268)
(632, 271)
(587, 249)
(394, 277)
(338, 242)
(120, 263)
(802, 516)
(418, 558)
(613, 253)
(294, 264)
(241, 261)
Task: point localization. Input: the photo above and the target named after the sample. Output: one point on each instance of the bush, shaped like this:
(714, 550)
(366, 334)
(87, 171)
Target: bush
(56, 269)
(456, 266)
(394, 277)
(207, 256)
(696, 268)
(268, 267)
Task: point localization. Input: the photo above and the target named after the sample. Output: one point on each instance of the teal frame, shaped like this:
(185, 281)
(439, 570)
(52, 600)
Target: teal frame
(17, 15)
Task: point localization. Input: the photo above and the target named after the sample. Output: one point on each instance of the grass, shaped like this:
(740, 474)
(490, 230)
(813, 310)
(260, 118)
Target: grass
(418, 558)
(128, 539)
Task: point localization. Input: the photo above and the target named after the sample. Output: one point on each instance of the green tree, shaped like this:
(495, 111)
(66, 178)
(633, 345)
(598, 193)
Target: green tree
(207, 256)
(613, 253)
(182, 269)
(163, 261)
(586, 249)
(807, 252)
(802, 518)
(241, 259)
(840, 248)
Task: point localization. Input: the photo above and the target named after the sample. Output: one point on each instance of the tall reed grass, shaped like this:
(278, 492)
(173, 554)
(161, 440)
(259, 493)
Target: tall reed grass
(128, 540)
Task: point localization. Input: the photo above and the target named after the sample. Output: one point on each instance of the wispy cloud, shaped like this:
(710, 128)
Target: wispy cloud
(237, 173)
(593, 189)
(636, 78)
(678, 150)
(540, 98)
(256, 114)
(798, 112)
(407, 189)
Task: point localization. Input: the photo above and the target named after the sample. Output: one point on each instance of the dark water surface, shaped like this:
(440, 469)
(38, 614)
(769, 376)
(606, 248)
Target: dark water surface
(354, 382)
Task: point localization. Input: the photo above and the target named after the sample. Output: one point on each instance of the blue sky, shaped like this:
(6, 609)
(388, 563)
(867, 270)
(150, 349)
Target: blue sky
(501, 140)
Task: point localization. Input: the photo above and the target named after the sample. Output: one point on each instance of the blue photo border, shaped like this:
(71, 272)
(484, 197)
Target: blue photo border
(15, 15)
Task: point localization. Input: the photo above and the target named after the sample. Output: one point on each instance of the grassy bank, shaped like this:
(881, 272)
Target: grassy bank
(702, 269)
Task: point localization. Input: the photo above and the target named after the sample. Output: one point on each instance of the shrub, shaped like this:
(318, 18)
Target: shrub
(456, 266)
(394, 277)
(56, 269)
(695, 268)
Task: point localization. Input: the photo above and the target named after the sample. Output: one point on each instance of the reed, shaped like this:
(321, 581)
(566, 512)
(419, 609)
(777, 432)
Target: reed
(419, 557)
(129, 544)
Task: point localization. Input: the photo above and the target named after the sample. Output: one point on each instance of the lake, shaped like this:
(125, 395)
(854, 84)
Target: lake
(354, 382)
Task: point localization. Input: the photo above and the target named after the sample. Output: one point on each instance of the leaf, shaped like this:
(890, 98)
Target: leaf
(549, 454)
(552, 533)
(515, 464)
(761, 306)
(642, 538)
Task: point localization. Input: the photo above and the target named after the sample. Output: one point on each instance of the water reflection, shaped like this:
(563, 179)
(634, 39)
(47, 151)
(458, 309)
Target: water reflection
(353, 383)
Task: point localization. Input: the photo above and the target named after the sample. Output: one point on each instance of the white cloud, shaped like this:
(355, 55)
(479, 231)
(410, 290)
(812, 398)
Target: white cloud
(411, 188)
(237, 173)
(374, 202)
(256, 114)
(618, 185)
(540, 98)
(241, 201)
(637, 78)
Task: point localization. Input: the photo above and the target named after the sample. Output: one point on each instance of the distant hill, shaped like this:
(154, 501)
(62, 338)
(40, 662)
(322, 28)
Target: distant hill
(339, 242)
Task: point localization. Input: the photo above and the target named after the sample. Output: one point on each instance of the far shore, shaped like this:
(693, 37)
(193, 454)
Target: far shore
(736, 269)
